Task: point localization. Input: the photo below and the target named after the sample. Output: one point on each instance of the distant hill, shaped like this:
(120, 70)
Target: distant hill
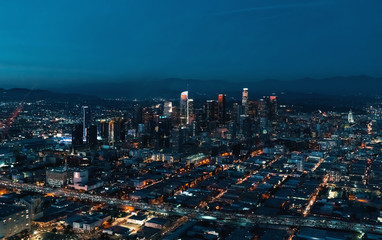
(337, 93)
(22, 94)
(331, 93)
(171, 87)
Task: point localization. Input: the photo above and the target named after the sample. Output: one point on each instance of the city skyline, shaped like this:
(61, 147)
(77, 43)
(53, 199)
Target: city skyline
(254, 167)
(180, 120)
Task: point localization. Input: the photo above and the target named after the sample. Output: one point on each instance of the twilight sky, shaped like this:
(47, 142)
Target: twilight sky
(51, 42)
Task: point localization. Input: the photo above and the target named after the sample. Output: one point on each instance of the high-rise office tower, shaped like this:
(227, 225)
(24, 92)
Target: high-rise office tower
(116, 130)
(111, 129)
(246, 125)
(191, 114)
(222, 108)
(138, 112)
(167, 109)
(252, 109)
(85, 120)
(104, 129)
(263, 107)
(175, 116)
(194, 128)
(273, 106)
(77, 135)
(183, 108)
(211, 110)
(179, 137)
(162, 132)
(236, 112)
(91, 138)
(350, 117)
(244, 101)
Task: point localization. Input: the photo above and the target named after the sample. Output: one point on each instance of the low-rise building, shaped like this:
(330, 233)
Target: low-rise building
(13, 220)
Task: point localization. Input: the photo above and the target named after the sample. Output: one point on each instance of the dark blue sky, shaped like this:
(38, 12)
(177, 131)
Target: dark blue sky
(57, 41)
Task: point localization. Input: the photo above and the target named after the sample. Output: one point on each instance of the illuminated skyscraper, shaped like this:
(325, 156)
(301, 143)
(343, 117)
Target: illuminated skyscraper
(236, 112)
(167, 109)
(244, 101)
(104, 129)
(111, 131)
(183, 110)
(116, 130)
(85, 120)
(350, 117)
(191, 115)
(211, 110)
(222, 108)
(274, 109)
(251, 109)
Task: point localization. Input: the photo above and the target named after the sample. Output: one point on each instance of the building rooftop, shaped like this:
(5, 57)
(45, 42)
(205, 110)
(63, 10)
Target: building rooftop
(6, 210)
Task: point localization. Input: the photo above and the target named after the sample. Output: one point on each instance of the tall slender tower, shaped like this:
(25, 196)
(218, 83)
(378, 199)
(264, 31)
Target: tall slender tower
(211, 110)
(350, 117)
(222, 108)
(190, 111)
(85, 120)
(244, 101)
(111, 131)
(184, 113)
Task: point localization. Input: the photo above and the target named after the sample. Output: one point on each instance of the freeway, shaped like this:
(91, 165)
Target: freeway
(202, 214)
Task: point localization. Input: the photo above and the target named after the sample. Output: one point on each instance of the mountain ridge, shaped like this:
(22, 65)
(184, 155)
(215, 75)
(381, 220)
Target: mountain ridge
(171, 87)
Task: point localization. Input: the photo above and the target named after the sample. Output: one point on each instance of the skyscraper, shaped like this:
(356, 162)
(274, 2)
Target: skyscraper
(85, 120)
(111, 131)
(191, 115)
(77, 134)
(236, 112)
(167, 109)
(91, 138)
(244, 101)
(116, 130)
(211, 110)
(162, 133)
(274, 109)
(183, 110)
(350, 117)
(222, 108)
(138, 112)
(104, 129)
(251, 109)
